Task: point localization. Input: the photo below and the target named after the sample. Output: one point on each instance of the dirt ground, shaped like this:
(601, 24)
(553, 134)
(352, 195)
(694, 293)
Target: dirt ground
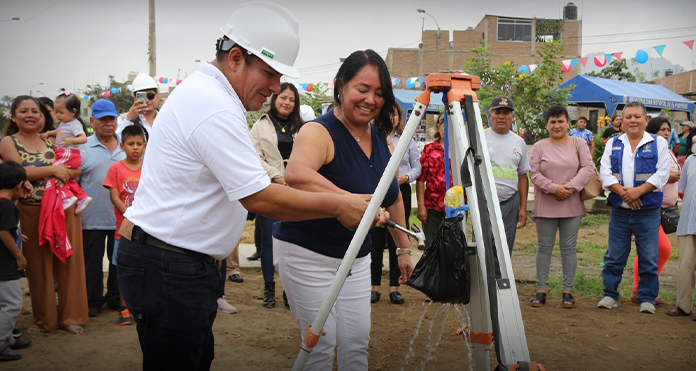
(257, 338)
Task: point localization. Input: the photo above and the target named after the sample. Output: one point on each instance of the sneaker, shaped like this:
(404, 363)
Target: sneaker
(647, 307)
(17, 333)
(82, 205)
(124, 317)
(67, 202)
(607, 303)
(8, 354)
(21, 344)
(225, 307)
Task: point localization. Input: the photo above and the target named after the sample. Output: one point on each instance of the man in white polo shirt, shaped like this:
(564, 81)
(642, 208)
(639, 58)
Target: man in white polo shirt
(200, 175)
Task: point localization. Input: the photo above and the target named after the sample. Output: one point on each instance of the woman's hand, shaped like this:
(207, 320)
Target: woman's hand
(61, 173)
(674, 177)
(563, 191)
(27, 189)
(381, 218)
(406, 268)
(402, 179)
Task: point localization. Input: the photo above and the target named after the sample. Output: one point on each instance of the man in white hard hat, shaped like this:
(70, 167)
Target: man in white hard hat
(199, 175)
(141, 113)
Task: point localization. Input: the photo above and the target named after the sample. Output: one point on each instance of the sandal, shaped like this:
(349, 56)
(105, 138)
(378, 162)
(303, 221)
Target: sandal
(75, 329)
(33, 330)
(568, 300)
(539, 299)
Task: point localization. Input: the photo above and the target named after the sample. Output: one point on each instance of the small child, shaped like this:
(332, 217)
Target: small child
(12, 178)
(122, 182)
(69, 135)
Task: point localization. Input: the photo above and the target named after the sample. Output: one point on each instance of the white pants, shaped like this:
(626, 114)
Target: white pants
(306, 278)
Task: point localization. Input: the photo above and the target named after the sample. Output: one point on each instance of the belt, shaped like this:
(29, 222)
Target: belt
(140, 235)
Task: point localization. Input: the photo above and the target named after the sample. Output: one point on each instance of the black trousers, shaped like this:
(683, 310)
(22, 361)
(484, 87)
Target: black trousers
(95, 243)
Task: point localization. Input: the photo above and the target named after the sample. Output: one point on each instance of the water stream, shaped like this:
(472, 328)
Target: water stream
(435, 331)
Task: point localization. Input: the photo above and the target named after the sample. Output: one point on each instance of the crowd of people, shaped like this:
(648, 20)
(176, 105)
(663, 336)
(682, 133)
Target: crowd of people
(165, 192)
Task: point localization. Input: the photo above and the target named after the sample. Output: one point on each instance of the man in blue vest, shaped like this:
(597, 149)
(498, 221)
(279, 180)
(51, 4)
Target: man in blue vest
(635, 167)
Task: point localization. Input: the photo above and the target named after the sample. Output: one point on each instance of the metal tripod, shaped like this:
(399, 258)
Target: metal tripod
(494, 307)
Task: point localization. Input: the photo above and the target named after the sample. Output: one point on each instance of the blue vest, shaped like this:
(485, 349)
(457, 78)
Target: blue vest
(352, 171)
(644, 167)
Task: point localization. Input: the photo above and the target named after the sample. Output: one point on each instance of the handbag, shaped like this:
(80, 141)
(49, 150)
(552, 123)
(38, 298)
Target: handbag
(669, 219)
(593, 187)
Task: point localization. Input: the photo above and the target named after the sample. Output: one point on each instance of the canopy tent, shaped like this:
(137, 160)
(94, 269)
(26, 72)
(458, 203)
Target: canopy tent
(407, 99)
(612, 94)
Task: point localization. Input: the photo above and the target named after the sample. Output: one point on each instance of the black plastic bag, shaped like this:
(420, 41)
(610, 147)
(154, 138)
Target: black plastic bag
(442, 273)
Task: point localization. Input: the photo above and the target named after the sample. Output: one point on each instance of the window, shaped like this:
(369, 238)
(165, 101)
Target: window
(510, 29)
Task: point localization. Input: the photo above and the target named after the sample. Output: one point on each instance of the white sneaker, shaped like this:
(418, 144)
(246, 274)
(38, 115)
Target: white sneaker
(226, 307)
(647, 307)
(607, 303)
(82, 205)
(67, 202)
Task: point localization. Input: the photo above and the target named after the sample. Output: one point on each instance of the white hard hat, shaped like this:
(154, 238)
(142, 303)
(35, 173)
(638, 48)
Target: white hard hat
(143, 82)
(307, 113)
(267, 30)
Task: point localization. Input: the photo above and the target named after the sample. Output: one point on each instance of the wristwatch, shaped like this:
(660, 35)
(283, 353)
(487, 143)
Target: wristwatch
(403, 251)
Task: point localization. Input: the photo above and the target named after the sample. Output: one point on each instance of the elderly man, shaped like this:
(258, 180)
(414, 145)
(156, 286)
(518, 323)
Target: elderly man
(98, 221)
(200, 175)
(510, 165)
(634, 167)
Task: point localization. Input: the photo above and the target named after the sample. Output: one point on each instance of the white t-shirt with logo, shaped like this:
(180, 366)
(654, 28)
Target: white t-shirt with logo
(199, 163)
(509, 160)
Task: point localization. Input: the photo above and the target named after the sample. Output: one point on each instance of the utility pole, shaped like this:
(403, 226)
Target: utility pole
(152, 46)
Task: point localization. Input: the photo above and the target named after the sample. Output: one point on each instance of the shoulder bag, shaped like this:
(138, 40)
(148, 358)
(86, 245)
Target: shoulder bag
(593, 187)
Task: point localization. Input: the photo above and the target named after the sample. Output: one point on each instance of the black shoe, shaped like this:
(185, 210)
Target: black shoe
(254, 256)
(114, 306)
(396, 297)
(236, 278)
(94, 310)
(17, 333)
(8, 354)
(269, 295)
(21, 344)
(374, 296)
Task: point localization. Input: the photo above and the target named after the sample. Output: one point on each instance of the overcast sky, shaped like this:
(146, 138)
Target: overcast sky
(70, 43)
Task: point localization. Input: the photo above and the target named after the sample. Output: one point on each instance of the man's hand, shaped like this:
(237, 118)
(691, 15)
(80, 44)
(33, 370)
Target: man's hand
(521, 219)
(631, 195)
(402, 179)
(674, 177)
(406, 268)
(21, 262)
(136, 109)
(422, 214)
(279, 180)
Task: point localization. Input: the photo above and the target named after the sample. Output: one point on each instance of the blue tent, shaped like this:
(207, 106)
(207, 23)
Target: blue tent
(407, 99)
(611, 94)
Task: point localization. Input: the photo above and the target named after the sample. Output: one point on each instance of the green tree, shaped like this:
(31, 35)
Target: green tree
(530, 92)
(316, 97)
(123, 100)
(616, 70)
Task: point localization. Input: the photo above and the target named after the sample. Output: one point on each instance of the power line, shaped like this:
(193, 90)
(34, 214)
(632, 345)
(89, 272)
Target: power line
(42, 12)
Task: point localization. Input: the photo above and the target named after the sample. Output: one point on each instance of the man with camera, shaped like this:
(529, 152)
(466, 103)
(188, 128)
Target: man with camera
(145, 103)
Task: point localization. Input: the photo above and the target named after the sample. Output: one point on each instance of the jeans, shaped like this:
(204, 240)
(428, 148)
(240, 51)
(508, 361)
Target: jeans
(94, 242)
(266, 248)
(173, 300)
(644, 225)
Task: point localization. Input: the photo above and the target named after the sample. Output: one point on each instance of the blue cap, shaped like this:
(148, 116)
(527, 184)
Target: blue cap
(102, 108)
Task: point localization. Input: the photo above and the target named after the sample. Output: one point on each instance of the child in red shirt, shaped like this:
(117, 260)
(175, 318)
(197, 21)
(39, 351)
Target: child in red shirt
(122, 181)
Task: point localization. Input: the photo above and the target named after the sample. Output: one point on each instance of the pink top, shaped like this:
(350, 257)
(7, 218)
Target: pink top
(556, 164)
(670, 190)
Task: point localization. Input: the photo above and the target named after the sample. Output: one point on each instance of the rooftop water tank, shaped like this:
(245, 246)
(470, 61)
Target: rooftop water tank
(570, 12)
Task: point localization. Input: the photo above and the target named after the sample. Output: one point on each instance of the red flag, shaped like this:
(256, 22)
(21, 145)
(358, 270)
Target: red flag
(689, 43)
(617, 55)
(584, 60)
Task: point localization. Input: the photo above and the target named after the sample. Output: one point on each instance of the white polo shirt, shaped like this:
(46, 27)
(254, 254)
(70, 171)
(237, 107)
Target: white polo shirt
(199, 162)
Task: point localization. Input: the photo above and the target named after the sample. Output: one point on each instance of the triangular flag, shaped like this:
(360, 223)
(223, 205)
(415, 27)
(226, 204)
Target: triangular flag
(566, 64)
(617, 55)
(659, 49)
(608, 57)
(584, 60)
(689, 43)
(532, 67)
(574, 62)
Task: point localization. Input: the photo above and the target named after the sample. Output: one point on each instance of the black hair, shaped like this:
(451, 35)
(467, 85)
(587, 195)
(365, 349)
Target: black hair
(11, 174)
(294, 118)
(222, 55)
(690, 142)
(46, 100)
(555, 110)
(72, 103)
(655, 124)
(351, 66)
(636, 103)
(48, 119)
(12, 127)
(583, 118)
(132, 131)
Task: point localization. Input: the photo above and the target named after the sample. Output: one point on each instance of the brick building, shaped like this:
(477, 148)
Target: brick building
(508, 38)
(682, 83)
